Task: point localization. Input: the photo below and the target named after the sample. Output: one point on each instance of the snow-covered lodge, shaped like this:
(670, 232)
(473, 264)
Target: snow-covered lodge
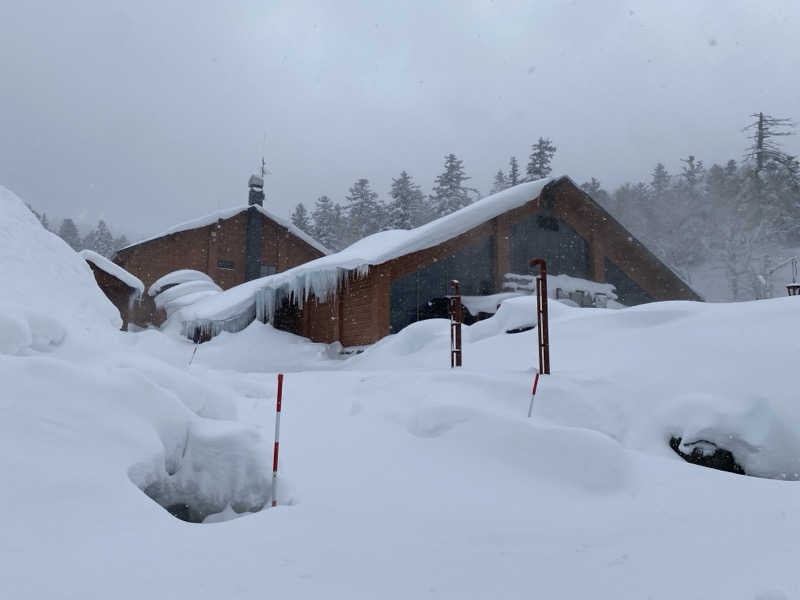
(379, 285)
(231, 246)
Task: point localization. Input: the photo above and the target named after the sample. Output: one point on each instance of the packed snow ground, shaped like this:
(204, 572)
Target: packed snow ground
(400, 478)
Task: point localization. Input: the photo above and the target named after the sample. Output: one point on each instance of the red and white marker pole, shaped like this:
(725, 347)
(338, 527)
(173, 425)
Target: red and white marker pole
(533, 393)
(277, 435)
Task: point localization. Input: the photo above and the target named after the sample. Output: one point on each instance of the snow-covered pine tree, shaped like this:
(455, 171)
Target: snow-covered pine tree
(513, 172)
(500, 183)
(539, 161)
(120, 242)
(596, 192)
(69, 233)
(659, 182)
(405, 211)
(100, 240)
(300, 218)
(365, 214)
(327, 223)
(449, 193)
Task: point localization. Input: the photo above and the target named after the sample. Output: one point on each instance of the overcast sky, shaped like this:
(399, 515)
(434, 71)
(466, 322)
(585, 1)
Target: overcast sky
(151, 113)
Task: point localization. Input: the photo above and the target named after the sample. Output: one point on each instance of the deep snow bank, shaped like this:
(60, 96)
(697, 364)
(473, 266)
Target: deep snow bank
(49, 290)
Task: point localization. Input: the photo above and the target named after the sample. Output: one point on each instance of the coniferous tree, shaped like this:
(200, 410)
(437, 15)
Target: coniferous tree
(406, 209)
(365, 214)
(764, 148)
(596, 192)
(100, 240)
(300, 218)
(327, 226)
(539, 161)
(69, 233)
(500, 182)
(513, 172)
(119, 243)
(659, 182)
(449, 193)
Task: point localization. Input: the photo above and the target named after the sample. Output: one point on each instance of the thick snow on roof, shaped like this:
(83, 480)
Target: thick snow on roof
(175, 277)
(227, 213)
(102, 263)
(321, 276)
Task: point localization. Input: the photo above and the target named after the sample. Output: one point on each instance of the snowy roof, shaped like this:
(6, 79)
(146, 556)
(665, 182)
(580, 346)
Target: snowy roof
(227, 213)
(321, 276)
(176, 277)
(102, 263)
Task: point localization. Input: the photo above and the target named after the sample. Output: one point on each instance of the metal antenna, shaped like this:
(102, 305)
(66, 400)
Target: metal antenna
(264, 169)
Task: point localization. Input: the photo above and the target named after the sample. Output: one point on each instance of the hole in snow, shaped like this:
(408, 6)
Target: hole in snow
(706, 454)
(212, 471)
(522, 328)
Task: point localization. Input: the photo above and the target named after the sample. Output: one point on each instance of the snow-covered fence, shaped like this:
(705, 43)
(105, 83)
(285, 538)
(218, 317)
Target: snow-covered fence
(564, 287)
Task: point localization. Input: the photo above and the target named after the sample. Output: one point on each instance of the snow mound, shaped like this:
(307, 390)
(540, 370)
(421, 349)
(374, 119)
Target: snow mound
(49, 292)
(175, 277)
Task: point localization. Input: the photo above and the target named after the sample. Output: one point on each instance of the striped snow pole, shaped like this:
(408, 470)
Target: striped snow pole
(277, 435)
(533, 393)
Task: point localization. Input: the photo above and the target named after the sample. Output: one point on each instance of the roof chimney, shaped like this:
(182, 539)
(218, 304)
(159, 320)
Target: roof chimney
(256, 194)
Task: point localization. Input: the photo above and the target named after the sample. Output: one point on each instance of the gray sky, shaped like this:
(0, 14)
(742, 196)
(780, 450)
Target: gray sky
(151, 113)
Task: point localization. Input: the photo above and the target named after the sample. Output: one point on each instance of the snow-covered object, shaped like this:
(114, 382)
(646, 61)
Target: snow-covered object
(102, 263)
(227, 213)
(185, 294)
(559, 286)
(486, 304)
(182, 289)
(175, 277)
(48, 290)
(323, 275)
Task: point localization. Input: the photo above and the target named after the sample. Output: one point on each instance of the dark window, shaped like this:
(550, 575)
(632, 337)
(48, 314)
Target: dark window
(225, 264)
(419, 295)
(547, 236)
(268, 270)
(628, 291)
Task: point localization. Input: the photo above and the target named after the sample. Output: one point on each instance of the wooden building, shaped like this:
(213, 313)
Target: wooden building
(231, 246)
(380, 283)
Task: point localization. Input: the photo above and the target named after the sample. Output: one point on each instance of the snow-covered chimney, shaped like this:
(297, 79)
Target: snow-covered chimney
(256, 194)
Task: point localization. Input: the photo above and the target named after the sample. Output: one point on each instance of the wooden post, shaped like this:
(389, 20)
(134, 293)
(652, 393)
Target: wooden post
(541, 316)
(455, 326)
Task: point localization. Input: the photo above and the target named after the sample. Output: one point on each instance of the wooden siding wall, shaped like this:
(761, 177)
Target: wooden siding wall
(360, 313)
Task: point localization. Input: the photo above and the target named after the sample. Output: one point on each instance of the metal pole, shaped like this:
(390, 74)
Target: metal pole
(533, 393)
(542, 321)
(455, 326)
(277, 435)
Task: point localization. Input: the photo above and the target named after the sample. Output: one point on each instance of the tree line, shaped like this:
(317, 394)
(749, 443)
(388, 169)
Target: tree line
(337, 225)
(100, 239)
(737, 216)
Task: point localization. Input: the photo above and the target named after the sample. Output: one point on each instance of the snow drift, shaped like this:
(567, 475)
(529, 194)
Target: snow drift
(50, 292)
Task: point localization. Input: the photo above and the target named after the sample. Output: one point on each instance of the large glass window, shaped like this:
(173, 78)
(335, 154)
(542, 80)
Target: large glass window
(546, 236)
(628, 291)
(420, 295)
